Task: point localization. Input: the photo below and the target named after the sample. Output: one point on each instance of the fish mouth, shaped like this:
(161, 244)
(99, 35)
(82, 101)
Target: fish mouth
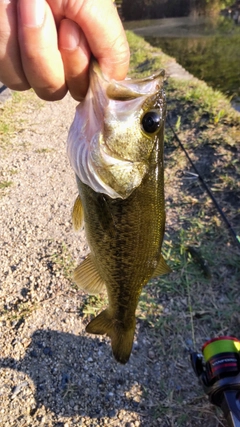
(127, 89)
(97, 145)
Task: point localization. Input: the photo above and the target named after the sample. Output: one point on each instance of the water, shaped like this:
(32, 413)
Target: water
(208, 48)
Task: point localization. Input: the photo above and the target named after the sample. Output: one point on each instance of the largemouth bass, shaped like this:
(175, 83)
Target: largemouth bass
(115, 146)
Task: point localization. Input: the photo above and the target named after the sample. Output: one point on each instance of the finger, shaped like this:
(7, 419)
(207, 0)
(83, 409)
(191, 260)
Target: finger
(11, 71)
(76, 55)
(106, 37)
(103, 30)
(41, 59)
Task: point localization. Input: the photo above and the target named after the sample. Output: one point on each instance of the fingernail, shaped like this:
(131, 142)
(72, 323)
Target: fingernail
(32, 12)
(71, 38)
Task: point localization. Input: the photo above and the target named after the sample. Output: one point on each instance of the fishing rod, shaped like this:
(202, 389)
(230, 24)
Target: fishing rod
(218, 367)
(2, 88)
(218, 371)
(201, 179)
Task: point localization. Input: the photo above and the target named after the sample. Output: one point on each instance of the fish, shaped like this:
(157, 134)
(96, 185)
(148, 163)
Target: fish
(115, 147)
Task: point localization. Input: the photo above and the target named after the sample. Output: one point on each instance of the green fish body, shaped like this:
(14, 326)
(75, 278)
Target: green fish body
(121, 197)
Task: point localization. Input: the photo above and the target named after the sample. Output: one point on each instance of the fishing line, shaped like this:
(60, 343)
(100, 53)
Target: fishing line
(201, 179)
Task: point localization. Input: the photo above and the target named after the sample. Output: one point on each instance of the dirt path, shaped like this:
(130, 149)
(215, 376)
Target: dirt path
(52, 372)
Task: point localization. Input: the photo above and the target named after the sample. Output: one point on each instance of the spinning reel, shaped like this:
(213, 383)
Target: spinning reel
(218, 370)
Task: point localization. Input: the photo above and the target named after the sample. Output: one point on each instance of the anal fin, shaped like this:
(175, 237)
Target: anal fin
(162, 268)
(87, 277)
(77, 214)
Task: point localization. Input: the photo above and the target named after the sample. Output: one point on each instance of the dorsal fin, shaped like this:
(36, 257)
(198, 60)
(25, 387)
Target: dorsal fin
(87, 277)
(77, 214)
(162, 268)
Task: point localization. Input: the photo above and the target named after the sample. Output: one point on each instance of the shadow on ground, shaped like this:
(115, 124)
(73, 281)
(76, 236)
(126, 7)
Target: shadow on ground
(68, 381)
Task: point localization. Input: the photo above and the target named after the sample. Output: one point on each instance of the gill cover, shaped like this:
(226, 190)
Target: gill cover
(108, 144)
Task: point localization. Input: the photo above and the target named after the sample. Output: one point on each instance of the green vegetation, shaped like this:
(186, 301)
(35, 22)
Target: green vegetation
(13, 119)
(153, 9)
(200, 298)
(213, 58)
(18, 312)
(144, 60)
(93, 305)
(62, 260)
(5, 184)
(44, 150)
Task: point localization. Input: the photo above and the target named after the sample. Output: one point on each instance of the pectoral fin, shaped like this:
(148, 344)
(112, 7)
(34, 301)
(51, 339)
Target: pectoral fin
(162, 268)
(87, 277)
(77, 214)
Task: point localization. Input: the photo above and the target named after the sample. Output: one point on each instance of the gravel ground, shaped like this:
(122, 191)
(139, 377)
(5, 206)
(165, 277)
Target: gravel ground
(52, 372)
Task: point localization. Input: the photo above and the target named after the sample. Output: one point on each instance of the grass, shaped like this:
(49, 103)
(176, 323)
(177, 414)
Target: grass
(200, 298)
(5, 184)
(92, 305)
(13, 121)
(12, 117)
(16, 316)
(62, 260)
(144, 60)
(44, 150)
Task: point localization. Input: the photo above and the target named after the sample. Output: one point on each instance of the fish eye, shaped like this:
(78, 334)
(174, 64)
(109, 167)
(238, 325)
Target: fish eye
(151, 121)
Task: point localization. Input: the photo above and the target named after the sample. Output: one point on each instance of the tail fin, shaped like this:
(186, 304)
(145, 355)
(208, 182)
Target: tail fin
(121, 338)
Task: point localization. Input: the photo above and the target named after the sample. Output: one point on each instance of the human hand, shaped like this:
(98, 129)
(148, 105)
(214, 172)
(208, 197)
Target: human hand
(47, 45)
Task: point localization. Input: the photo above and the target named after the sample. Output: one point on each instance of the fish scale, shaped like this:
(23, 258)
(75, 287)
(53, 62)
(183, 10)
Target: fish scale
(124, 231)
